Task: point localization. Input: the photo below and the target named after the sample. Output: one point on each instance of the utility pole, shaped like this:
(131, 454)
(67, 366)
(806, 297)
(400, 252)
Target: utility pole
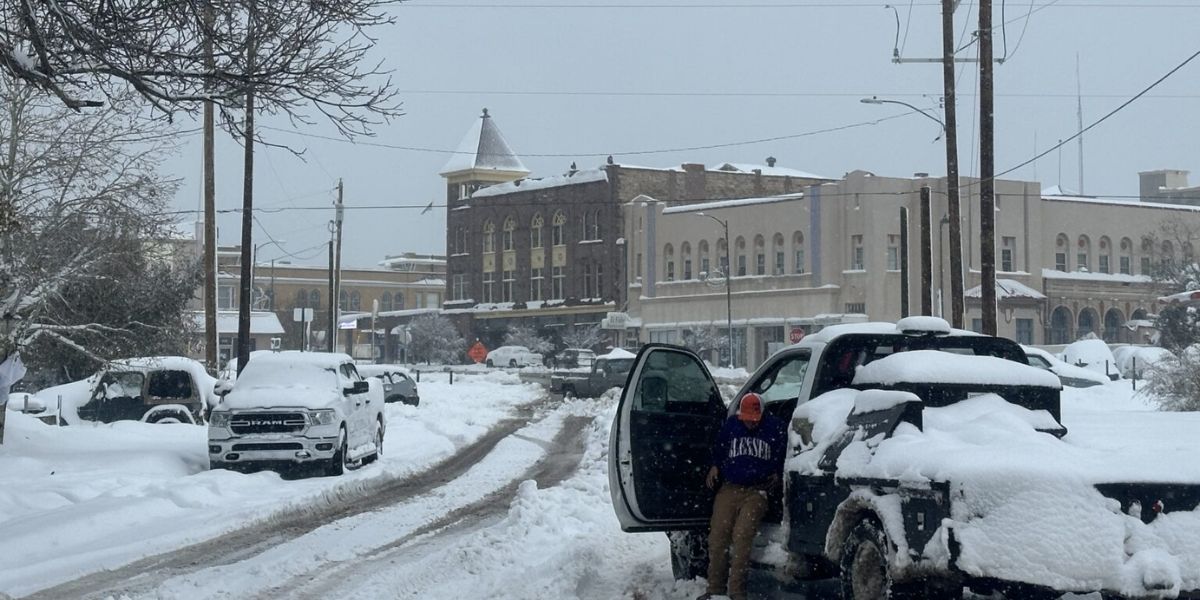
(332, 328)
(337, 270)
(243, 345)
(903, 261)
(926, 254)
(951, 123)
(987, 183)
(210, 213)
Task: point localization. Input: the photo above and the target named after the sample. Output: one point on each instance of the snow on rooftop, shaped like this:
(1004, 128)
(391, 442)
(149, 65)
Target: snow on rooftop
(686, 208)
(1087, 275)
(935, 366)
(1006, 289)
(524, 185)
(768, 170)
(484, 148)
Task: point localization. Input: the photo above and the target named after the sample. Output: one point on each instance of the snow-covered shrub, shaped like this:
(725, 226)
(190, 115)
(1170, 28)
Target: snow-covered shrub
(523, 335)
(435, 340)
(1175, 381)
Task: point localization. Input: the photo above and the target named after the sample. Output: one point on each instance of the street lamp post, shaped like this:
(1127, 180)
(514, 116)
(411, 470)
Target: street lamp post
(875, 100)
(254, 263)
(728, 291)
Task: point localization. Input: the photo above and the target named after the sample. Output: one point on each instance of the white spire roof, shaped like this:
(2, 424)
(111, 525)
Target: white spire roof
(484, 148)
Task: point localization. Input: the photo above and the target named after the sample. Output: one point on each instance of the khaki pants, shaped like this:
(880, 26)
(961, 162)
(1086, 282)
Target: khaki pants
(737, 512)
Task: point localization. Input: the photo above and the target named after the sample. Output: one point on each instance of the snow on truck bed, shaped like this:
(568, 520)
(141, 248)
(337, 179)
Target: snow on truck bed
(1028, 509)
(935, 366)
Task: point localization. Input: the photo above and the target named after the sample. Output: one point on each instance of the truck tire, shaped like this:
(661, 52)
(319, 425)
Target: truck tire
(865, 574)
(169, 414)
(378, 444)
(689, 554)
(568, 391)
(512, 362)
(337, 464)
(490, 364)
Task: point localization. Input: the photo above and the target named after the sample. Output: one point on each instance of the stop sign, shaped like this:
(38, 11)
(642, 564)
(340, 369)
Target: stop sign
(796, 335)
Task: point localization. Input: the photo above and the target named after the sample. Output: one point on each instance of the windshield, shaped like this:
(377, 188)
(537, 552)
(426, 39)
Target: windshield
(278, 374)
(784, 380)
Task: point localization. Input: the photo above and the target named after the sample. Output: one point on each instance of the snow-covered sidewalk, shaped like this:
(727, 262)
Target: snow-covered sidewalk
(76, 500)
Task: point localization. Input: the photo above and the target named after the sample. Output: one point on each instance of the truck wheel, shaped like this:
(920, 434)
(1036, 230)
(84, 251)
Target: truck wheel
(865, 559)
(337, 464)
(490, 364)
(378, 444)
(568, 392)
(689, 554)
(169, 414)
(512, 362)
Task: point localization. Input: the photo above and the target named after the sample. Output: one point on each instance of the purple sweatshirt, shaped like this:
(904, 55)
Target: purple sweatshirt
(747, 457)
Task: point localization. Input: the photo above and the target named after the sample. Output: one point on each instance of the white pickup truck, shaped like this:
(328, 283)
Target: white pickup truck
(291, 409)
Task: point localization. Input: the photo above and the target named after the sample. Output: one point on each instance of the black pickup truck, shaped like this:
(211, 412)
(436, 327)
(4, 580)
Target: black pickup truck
(924, 462)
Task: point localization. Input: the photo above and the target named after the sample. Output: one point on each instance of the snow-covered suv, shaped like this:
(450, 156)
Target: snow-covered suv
(297, 408)
(513, 356)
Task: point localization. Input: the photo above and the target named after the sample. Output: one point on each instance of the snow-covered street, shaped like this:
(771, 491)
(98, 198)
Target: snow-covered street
(490, 489)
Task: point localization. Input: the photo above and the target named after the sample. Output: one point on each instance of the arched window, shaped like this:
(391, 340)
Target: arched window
(1168, 254)
(510, 225)
(685, 253)
(1112, 325)
(1060, 253)
(398, 301)
(1147, 256)
(489, 236)
(779, 256)
(560, 220)
(798, 253)
(669, 263)
(535, 231)
(1083, 257)
(1104, 256)
(705, 267)
(385, 302)
(1060, 326)
(723, 256)
(596, 226)
(1087, 322)
(739, 247)
(355, 300)
(760, 255)
(344, 300)
(1125, 259)
(301, 298)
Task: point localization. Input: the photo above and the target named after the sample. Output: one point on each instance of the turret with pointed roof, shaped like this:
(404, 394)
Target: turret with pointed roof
(483, 158)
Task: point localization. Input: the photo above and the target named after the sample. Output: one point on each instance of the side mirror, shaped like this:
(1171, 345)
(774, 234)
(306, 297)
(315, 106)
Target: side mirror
(222, 387)
(358, 387)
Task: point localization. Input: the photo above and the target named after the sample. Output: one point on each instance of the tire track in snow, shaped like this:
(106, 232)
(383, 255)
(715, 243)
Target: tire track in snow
(255, 538)
(563, 455)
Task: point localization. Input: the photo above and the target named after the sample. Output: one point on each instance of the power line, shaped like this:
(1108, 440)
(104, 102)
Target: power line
(711, 94)
(762, 6)
(601, 154)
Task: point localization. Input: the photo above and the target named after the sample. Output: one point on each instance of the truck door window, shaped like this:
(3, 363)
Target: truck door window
(122, 385)
(170, 384)
(674, 382)
(783, 380)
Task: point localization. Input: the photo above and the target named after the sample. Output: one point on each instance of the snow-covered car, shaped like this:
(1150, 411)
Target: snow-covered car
(159, 389)
(1093, 355)
(513, 356)
(923, 461)
(1069, 375)
(1137, 361)
(293, 408)
(398, 384)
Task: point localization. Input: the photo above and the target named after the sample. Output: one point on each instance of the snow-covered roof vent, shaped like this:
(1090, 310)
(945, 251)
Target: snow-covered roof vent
(923, 326)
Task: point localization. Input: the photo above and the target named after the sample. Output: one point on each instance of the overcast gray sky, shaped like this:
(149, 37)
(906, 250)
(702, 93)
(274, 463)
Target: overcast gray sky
(620, 77)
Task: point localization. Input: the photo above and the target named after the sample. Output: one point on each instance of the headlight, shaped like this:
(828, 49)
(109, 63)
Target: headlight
(322, 417)
(219, 418)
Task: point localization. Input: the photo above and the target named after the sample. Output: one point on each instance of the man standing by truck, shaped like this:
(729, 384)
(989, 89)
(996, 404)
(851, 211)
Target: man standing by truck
(747, 464)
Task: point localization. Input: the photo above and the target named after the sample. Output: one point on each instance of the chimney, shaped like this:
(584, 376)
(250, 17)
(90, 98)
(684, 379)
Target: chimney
(770, 161)
(694, 183)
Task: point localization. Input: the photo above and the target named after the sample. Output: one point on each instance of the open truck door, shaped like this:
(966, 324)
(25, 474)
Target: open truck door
(661, 443)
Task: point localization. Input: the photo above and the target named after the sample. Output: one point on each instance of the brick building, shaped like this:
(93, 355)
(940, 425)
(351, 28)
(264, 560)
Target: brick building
(550, 252)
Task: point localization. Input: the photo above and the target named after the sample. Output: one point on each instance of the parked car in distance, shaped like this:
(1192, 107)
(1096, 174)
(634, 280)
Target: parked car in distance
(398, 385)
(513, 356)
(574, 358)
(1093, 354)
(291, 409)
(1137, 361)
(1070, 375)
(160, 389)
(608, 371)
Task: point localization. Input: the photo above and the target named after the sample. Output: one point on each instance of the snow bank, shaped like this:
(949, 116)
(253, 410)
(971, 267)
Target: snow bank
(1091, 354)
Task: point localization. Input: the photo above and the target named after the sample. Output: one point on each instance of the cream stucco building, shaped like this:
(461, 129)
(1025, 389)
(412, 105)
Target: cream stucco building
(1066, 265)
